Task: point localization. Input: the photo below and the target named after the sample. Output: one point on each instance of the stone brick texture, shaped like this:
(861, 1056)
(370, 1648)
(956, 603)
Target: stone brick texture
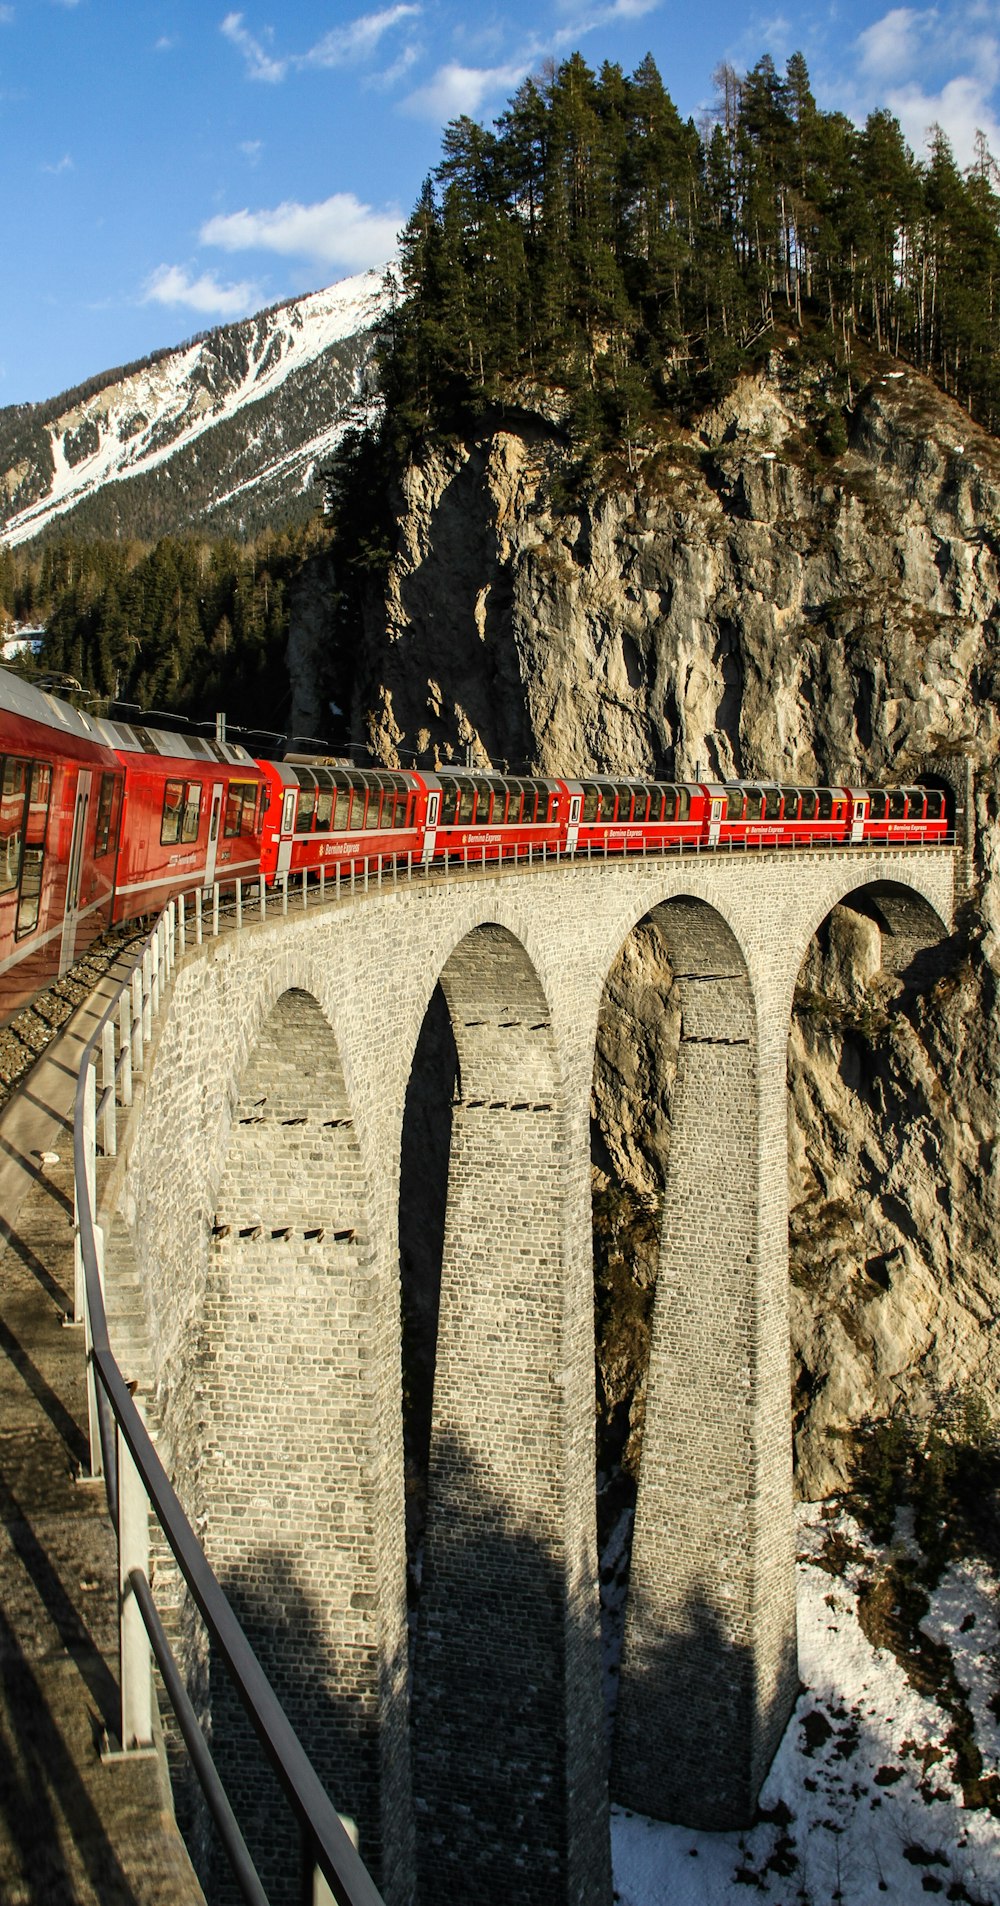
(258, 1196)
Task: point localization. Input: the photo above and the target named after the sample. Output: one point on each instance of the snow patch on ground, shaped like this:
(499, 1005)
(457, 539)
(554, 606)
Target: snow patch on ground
(863, 1798)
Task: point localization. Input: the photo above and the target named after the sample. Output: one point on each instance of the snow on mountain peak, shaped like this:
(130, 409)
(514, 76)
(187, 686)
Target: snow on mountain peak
(297, 365)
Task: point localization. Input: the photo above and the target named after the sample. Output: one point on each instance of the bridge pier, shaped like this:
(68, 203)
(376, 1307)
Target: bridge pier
(508, 1745)
(709, 1671)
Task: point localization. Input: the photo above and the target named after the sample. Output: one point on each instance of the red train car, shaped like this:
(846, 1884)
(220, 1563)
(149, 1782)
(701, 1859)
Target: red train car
(625, 816)
(60, 809)
(324, 813)
(475, 817)
(192, 814)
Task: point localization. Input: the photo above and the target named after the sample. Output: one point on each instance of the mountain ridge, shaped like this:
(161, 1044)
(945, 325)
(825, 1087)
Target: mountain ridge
(222, 433)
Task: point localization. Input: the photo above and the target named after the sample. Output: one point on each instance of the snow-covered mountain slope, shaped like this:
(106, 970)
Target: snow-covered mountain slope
(224, 433)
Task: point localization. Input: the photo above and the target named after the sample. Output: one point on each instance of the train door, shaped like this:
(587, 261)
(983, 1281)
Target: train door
(573, 828)
(430, 824)
(214, 823)
(716, 810)
(858, 819)
(287, 831)
(74, 876)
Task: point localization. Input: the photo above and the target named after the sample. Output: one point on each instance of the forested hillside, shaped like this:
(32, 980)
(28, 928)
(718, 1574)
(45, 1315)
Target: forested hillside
(185, 625)
(596, 243)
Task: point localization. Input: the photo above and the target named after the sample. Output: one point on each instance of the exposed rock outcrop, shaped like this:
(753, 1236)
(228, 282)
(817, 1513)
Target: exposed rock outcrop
(737, 605)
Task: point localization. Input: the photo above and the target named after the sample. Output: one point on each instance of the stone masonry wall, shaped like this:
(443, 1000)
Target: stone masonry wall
(514, 1435)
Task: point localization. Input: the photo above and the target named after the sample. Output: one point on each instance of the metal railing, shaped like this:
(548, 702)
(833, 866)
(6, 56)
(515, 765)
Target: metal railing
(121, 1449)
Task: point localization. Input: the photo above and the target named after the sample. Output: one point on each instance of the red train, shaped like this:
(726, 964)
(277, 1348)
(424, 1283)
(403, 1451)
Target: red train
(101, 821)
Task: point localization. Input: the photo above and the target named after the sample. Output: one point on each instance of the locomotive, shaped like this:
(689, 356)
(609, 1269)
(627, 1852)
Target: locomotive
(103, 820)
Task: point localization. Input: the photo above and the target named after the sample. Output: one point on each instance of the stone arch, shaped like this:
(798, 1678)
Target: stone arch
(709, 1667)
(291, 1482)
(870, 1216)
(908, 917)
(508, 1760)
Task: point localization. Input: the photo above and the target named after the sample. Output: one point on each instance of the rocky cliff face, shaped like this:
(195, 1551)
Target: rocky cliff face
(740, 604)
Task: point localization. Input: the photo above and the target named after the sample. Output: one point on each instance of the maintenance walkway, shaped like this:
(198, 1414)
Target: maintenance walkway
(76, 1828)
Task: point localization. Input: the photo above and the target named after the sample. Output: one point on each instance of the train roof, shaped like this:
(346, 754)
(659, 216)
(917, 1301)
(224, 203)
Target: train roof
(21, 698)
(29, 703)
(130, 737)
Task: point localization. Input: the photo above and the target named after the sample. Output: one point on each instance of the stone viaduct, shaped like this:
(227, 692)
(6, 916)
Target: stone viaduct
(258, 1190)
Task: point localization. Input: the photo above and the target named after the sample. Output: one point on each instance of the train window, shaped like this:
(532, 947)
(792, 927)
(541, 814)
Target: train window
(29, 898)
(529, 812)
(755, 804)
(824, 800)
(897, 804)
(173, 808)
(683, 804)
(191, 817)
(371, 812)
(591, 804)
(514, 804)
(917, 804)
(12, 792)
(342, 806)
(669, 804)
(324, 809)
(38, 804)
(808, 804)
(878, 804)
(935, 805)
(772, 804)
(307, 808)
(498, 803)
(33, 853)
(734, 804)
(624, 809)
(790, 796)
(466, 802)
(105, 804)
(241, 808)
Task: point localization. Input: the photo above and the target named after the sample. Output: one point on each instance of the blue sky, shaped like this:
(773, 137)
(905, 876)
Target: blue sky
(169, 165)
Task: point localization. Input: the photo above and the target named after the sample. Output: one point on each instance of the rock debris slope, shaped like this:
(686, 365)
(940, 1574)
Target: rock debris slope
(753, 598)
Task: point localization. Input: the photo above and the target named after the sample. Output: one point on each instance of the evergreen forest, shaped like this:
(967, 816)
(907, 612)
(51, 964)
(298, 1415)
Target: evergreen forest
(596, 242)
(186, 626)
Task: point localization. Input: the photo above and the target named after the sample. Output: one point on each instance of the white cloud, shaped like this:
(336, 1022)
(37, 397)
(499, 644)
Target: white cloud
(6, 16)
(260, 64)
(343, 45)
(890, 46)
(172, 285)
(456, 89)
(65, 164)
(251, 149)
(962, 108)
(336, 231)
(397, 71)
(165, 44)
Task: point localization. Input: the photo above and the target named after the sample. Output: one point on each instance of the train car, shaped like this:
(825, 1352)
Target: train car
(766, 814)
(324, 813)
(476, 817)
(624, 816)
(192, 814)
(60, 811)
(905, 816)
